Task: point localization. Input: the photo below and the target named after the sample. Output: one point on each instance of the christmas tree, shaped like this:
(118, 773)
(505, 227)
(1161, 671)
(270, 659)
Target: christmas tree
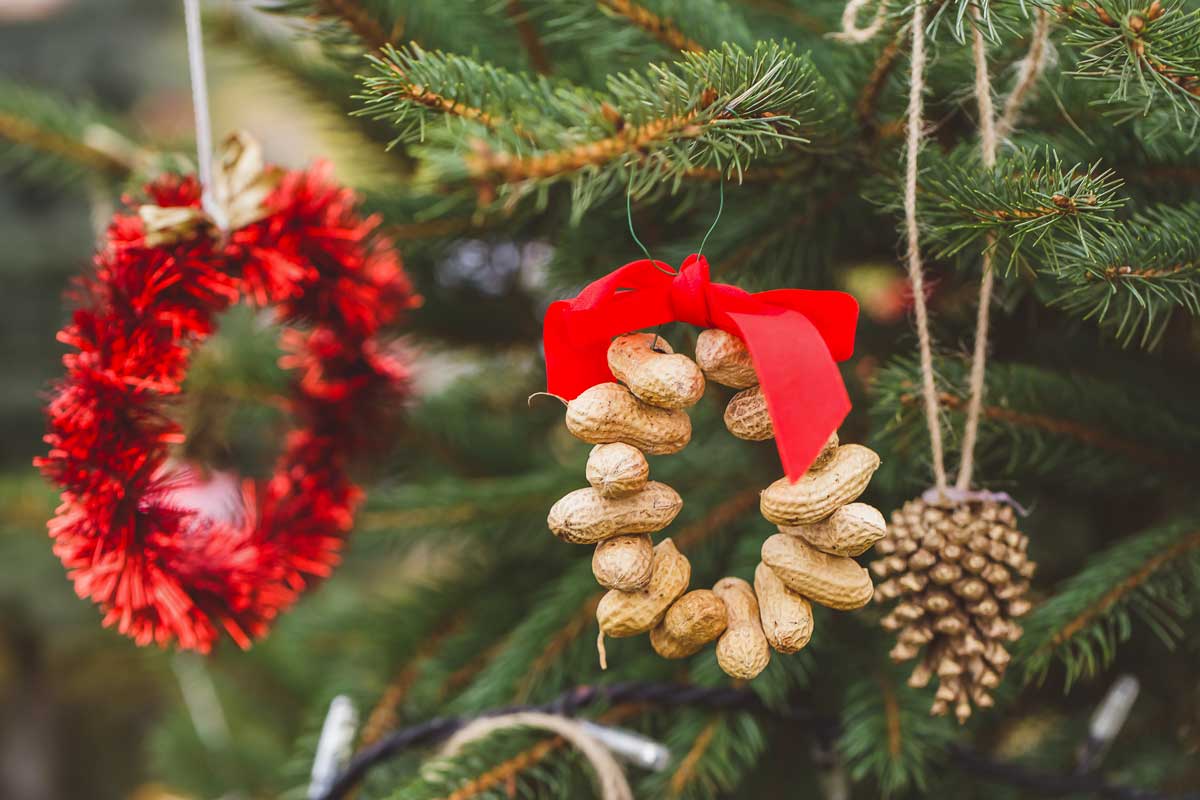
(516, 150)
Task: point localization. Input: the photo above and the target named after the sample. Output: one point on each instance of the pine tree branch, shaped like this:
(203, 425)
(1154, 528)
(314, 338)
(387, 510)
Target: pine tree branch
(383, 717)
(530, 40)
(1049, 425)
(868, 98)
(664, 30)
(1144, 52)
(1028, 202)
(1154, 576)
(23, 132)
(1116, 594)
(887, 733)
(718, 109)
(359, 20)
(686, 771)
(513, 168)
(1091, 436)
(555, 646)
(1132, 277)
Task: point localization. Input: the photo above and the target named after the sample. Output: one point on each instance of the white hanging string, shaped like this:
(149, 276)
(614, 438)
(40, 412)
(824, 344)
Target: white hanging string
(204, 142)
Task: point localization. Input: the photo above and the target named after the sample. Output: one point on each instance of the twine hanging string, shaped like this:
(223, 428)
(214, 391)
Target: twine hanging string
(916, 276)
(987, 148)
(851, 33)
(204, 141)
(1028, 72)
(990, 132)
(609, 775)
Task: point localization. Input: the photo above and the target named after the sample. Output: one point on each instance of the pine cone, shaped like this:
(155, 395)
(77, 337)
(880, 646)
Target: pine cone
(960, 575)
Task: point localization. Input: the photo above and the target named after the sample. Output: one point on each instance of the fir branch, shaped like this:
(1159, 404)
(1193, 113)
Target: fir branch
(383, 717)
(885, 62)
(1134, 276)
(530, 39)
(887, 733)
(411, 87)
(718, 109)
(1029, 200)
(358, 19)
(685, 771)
(1153, 577)
(1144, 51)
(662, 29)
(1050, 425)
(44, 135)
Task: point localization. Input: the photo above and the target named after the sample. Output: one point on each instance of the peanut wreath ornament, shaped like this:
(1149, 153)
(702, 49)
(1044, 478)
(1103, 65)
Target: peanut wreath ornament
(627, 396)
(160, 570)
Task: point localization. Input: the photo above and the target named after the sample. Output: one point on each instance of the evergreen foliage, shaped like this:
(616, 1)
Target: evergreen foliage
(520, 130)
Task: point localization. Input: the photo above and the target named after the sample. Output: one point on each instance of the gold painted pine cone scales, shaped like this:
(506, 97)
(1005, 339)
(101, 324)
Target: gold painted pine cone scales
(811, 559)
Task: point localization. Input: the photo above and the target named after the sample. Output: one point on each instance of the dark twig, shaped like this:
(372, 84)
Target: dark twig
(726, 698)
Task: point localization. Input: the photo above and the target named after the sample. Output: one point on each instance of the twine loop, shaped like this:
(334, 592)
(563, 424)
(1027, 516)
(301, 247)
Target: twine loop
(610, 777)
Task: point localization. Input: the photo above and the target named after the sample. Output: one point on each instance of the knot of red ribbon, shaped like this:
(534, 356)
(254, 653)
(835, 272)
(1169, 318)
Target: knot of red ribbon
(795, 338)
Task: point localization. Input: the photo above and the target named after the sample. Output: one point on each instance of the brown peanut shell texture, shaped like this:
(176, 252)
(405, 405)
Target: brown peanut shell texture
(746, 416)
(691, 622)
(624, 562)
(630, 613)
(820, 492)
(742, 650)
(608, 412)
(833, 581)
(616, 470)
(724, 359)
(850, 531)
(585, 517)
(827, 452)
(787, 618)
(645, 363)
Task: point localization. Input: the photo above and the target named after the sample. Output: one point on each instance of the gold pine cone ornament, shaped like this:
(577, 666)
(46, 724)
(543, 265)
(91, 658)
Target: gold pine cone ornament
(958, 576)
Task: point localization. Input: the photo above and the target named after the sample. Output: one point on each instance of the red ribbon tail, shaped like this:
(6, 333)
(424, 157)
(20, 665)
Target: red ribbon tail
(803, 386)
(571, 368)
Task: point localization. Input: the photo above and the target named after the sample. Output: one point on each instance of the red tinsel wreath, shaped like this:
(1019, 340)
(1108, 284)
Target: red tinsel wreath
(163, 572)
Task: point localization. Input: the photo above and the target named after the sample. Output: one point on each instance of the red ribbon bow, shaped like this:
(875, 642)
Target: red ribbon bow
(795, 337)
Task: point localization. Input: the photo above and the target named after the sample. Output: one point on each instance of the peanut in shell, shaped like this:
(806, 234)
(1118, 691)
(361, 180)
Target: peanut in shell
(746, 416)
(724, 359)
(608, 412)
(624, 562)
(837, 582)
(787, 618)
(742, 650)
(821, 491)
(850, 531)
(617, 469)
(630, 613)
(655, 374)
(585, 517)
(691, 622)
